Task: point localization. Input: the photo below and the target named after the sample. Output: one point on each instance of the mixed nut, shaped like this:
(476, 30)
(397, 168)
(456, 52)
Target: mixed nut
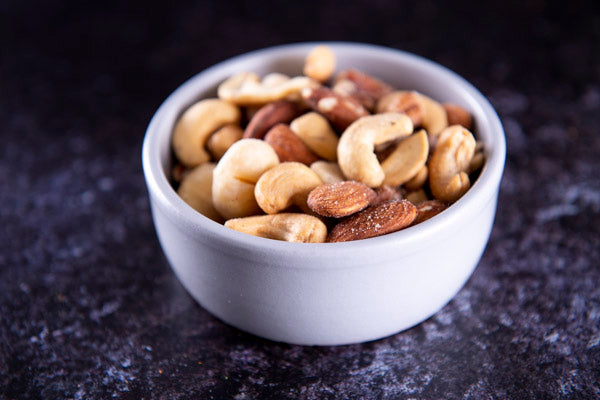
(294, 159)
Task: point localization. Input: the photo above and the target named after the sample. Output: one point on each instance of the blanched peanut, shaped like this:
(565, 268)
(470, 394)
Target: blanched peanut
(195, 126)
(284, 185)
(196, 191)
(406, 160)
(289, 227)
(221, 140)
(317, 134)
(355, 149)
(329, 172)
(320, 63)
(450, 159)
(236, 174)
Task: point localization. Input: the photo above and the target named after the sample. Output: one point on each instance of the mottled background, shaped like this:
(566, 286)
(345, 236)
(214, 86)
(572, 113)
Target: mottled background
(89, 307)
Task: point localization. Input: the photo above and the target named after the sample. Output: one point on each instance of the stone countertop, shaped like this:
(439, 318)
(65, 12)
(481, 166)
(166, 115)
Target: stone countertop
(89, 307)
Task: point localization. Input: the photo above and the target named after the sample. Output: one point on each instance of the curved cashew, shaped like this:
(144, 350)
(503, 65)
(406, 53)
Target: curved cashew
(195, 126)
(435, 119)
(355, 149)
(450, 159)
(274, 79)
(286, 184)
(320, 63)
(286, 226)
(246, 89)
(417, 181)
(406, 160)
(221, 140)
(236, 174)
(317, 134)
(196, 191)
(329, 172)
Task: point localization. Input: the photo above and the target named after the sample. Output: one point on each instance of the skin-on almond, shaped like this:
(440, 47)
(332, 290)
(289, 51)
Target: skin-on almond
(340, 199)
(385, 193)
(288, 146)
(374, 221)
(363, 87)
(340, 110)
(268, 116)
(428, 209)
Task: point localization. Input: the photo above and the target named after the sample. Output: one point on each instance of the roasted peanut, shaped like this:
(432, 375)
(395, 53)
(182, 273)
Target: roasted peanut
(289, 227)
(316, 133)
(236, 174)
(355, 149)
(196, 191)
(195, 126)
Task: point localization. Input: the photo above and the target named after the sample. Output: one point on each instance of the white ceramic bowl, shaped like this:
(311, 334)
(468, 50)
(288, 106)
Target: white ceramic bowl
(329, 293)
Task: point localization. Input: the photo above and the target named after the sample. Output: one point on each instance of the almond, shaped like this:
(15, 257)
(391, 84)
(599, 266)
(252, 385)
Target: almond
(385, 193)
(268, 116)
(340, 199)
(375, 221)
(288, 146)
(410, 103)
(340, 110)
(428, 209)
(361, 86)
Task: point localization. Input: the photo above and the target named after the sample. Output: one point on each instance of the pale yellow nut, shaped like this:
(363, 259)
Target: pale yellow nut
(355, 151)
(416, 196)
(417, 181)
(196, 125)
(406, 160)
(284, 185)
(274, 79)
(435, 119)
(476, 162)
(289, 227)
(196, 191)
(317, 134)
(222, 139)
(320, 63)
(448, 179)
(246, 89)
(329, 172)
(236, 174)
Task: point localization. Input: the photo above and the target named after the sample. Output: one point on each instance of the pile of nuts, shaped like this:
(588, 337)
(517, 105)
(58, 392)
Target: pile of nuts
(297, 160)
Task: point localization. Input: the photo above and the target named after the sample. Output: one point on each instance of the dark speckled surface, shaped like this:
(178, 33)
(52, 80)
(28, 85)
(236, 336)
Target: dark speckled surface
(89, 307)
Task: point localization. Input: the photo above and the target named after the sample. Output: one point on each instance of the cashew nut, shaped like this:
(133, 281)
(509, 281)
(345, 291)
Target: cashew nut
(317, 134)
(417, 181)
(236, 174)
(408, 102)
(196, 191)
(417, 196)
(274, 79)
(435, 119)
(355, 149)
(221, 140)
(406, 160)
(246, 89)
(450, 159)
(195, 126)
(289, 227)
(286, 184)
(320, 63)
(329, 172)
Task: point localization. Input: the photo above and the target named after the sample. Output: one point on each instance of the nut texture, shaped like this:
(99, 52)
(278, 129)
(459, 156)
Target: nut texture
(320, 63)
(408, 102)
(288, 146)
(289, 227)
(284, 185)
(340, 199)
(385, 193)
(236, 174)
(329, 172)
(316, 133)
(458, 115)
(355, 149)
(340, 110)
(407, 159)
(450, 159)
(221, 140)
(195, 126)
(196, 191)
(418, 181)
(270, 115)
(374, 221)
(361, 86)
(428, 209)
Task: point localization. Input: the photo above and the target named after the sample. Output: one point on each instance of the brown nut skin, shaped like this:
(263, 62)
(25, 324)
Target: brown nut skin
(374, 221)
(407, 102)
(428, 209)
(385, 193)
(268, 116)
(363, 87)
(317, 134)
(288, 146)
(340, 110)
(340, 199)
(457, 115)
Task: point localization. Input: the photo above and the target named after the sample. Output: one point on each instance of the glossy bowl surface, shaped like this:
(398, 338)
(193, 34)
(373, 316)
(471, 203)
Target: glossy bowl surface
(330, 293)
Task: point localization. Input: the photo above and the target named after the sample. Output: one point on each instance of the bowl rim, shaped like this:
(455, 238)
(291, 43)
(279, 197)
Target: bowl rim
(482, 191)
